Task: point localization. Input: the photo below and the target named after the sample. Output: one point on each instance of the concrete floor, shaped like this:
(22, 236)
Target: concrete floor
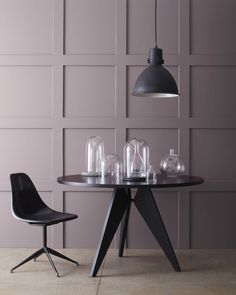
(139, 272)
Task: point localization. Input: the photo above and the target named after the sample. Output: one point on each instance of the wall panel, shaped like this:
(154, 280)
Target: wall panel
(89, 91)
(67, 68)
(22, 30)
(91, 208)
(212, 219)
(212, 91)
(26, 91)
(213, 159)
(94, 24)
(141, 26)
(139, 235)
(26, 150)
(211, 24)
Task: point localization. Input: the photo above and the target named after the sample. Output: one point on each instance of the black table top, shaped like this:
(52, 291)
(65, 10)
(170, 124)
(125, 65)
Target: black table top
(109, 182)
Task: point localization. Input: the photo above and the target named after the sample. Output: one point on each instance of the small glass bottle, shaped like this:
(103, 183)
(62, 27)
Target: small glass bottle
(172, 165)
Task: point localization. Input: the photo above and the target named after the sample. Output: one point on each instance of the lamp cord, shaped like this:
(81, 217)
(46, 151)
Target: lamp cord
(156, 23)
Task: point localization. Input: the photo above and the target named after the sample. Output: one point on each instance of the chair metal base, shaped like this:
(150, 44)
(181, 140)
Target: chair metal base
(47, 251)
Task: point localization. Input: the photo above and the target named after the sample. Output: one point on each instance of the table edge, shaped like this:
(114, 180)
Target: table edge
(61, 180)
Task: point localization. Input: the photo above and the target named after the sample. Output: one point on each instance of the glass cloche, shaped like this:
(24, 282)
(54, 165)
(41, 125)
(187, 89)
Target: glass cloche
(93, 156)
(172, 165)
(112, 166)
(135, 159)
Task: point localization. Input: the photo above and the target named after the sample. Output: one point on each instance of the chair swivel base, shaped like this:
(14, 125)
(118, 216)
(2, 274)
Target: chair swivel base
(47, 251)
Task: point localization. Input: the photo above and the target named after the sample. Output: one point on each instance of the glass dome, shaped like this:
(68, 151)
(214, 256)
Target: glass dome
(145, 154)
(94, 155)
(172, 165)
(111, 166)
(135, 159)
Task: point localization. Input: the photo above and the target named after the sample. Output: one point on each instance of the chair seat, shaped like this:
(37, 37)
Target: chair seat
(47, 216)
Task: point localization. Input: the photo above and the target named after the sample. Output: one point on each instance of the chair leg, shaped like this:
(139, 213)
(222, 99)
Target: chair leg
(55, 253)
(50, 260)
(47, 251)
(35, 258)
(34, 255)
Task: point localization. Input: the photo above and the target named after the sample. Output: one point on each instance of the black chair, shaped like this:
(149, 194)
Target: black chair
(27, 206)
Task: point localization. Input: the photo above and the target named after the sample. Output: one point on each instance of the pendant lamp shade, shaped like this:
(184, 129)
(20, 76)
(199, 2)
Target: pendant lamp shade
(155, 80)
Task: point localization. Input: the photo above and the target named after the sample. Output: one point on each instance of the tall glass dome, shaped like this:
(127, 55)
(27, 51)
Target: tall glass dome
(135, 159)
(94, 155)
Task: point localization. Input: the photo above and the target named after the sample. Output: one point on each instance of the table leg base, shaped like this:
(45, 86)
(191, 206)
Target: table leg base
(146, 205)
(124, 226)
(120, 207)
(115, 213)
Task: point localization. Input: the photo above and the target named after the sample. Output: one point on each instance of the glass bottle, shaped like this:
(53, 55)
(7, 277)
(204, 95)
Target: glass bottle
(172, 165)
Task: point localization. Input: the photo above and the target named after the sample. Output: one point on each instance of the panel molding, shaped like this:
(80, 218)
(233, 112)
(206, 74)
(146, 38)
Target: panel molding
(121, 59)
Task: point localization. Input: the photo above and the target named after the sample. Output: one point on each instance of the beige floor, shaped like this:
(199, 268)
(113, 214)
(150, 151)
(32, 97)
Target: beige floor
(140, 272)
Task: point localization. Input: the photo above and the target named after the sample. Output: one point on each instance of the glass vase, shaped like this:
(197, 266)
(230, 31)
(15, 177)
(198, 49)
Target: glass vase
(172, 165)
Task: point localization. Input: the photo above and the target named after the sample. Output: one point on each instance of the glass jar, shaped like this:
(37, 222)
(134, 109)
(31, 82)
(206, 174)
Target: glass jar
(172, 165)
(93, 156)
(135, 159)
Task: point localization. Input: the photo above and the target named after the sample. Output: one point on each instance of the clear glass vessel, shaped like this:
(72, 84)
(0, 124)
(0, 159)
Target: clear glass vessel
(112, 166)
(151, 175)
(172, 165)
(144, 151)
(94, 155)
(135, 159)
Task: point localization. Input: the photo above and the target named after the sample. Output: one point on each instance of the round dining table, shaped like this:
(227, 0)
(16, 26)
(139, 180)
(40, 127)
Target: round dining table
(119, 209)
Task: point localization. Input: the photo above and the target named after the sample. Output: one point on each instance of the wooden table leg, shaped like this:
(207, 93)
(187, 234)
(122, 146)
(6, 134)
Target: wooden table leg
(116, 211)
(147, 207)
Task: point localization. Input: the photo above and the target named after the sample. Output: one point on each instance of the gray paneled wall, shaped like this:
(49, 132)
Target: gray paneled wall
(66, 72)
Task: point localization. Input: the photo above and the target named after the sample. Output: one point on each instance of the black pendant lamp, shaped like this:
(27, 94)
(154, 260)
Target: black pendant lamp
(155, 81)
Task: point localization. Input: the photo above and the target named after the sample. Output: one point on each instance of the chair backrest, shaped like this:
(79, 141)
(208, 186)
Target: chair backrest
(25, 198)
